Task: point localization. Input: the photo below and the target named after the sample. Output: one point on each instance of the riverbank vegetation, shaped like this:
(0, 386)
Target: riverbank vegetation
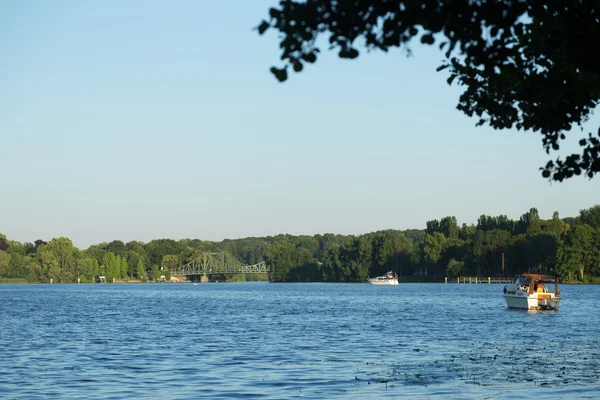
(568, 246)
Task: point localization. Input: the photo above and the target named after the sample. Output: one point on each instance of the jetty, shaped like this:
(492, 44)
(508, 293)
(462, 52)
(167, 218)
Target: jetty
(479, 279)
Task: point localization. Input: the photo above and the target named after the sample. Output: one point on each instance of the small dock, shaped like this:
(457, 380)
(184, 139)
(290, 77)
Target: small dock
(476, 279)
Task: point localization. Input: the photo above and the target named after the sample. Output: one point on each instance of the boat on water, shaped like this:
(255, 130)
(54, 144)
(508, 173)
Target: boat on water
(529, 292)
(391, 278)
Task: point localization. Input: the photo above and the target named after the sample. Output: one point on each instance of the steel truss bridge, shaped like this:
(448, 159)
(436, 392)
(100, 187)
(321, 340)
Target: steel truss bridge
(217, 264)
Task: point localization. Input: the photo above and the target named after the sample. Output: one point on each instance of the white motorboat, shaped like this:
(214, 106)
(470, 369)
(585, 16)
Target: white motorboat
(529, 292)
(387, 279)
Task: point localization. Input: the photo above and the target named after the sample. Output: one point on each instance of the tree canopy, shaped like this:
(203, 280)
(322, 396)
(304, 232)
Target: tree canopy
(495, 246)
(525, 64)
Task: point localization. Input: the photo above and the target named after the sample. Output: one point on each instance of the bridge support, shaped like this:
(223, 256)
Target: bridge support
(204, 279)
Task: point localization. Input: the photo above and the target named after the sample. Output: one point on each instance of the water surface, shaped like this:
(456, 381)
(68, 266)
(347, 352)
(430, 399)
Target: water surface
(274, 341)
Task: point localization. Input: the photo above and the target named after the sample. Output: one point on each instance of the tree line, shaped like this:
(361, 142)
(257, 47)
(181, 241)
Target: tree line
(495, 246)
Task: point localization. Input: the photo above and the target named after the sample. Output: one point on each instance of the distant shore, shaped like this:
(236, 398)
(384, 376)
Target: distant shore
(402, 280)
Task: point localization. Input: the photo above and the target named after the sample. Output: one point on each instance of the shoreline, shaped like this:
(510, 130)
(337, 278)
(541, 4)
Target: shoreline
(20, 281)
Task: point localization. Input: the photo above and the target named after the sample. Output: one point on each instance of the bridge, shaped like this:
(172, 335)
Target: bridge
(211, 263)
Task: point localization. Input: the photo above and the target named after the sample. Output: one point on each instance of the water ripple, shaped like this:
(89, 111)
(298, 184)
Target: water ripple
(273, 341)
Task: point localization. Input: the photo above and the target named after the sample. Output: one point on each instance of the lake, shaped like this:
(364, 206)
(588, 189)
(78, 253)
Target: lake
(278, 340)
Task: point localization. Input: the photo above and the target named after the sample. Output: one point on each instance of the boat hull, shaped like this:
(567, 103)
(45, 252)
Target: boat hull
(532, 302)
(387, 282)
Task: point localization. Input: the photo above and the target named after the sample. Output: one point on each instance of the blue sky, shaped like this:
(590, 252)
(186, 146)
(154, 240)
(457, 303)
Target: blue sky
(137, 120)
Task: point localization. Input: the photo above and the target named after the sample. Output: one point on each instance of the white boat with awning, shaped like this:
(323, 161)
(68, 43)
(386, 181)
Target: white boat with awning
(529, 292)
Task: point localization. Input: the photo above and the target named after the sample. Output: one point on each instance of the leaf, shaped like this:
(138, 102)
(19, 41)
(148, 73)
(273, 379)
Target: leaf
(309, 57)
(427, 39)
(442, 67)
(274, 13)
(280, 74)
(451, 79)
(263, 27)
(297, 66)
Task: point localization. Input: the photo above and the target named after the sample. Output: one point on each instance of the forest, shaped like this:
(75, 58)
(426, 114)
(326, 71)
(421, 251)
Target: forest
(496, 246)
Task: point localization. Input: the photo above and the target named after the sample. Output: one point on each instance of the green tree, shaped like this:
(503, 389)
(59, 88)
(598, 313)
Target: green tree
(433, 226)
(59, 259)
(4, 262)
(530, 222)
(155, 273)
(135, 251)
(390, 250)
(495, 242)
(515, 59)
(519, 256)
(3, 242)
(132, 261)
(307, 242)
(18, 259)
(578, 252)
(112, 266)
(362, 249)
(118, 248)
(157, 249)
(34, 271)
(280, 259)
(170, 261)
(306, 268)
(590, 216)
(87, 268)
(433, 246)
(124, 268)
(543, 248)
(555, 226)
(416, 236)
(455, 268)
(449, 227)
(141, 271)
(332, 265)
(287, 262)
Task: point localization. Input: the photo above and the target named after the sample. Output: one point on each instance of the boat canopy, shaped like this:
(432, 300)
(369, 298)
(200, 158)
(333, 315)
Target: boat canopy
(534, 278)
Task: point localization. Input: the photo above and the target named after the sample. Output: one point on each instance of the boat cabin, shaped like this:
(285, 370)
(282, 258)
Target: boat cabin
(535, 283)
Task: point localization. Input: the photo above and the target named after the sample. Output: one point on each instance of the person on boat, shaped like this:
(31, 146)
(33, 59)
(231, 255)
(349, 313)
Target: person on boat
(539, 287)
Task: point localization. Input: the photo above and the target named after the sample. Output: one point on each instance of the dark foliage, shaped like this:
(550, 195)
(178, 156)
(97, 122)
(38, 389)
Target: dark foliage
(527, 64)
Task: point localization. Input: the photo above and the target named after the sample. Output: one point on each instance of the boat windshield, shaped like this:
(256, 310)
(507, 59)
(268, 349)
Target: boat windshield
(522, 281)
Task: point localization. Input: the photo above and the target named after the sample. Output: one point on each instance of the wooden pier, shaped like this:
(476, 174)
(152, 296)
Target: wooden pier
(479, 279)
(475, 279)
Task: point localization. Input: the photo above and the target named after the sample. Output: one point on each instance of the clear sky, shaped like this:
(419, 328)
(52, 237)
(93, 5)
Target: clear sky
(139, 120)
